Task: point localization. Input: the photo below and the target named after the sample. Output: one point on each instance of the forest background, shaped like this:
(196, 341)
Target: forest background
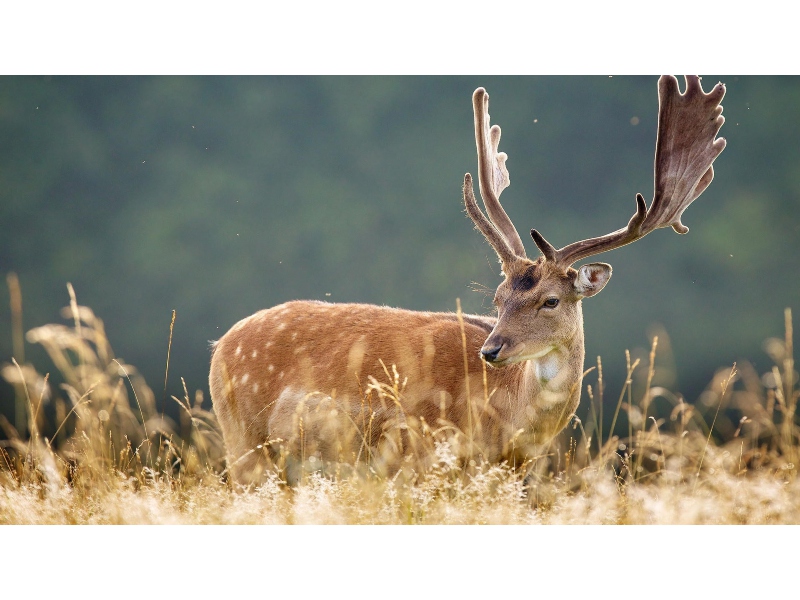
(219, 196)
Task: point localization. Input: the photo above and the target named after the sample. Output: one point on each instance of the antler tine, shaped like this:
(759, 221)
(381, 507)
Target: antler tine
(686, 147)
(485, 226)
(492, 173)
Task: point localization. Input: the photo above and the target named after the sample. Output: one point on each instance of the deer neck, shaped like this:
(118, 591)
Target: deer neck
(550, 387)
(550, 376)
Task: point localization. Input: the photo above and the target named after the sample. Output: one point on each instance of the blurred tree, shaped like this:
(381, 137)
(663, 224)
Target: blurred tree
(219, 196)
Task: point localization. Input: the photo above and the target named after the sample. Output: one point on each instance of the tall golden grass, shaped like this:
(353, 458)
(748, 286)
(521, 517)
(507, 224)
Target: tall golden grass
(96, 450)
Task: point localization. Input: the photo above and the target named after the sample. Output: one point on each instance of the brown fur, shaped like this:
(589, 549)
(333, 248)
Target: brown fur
(329, 354)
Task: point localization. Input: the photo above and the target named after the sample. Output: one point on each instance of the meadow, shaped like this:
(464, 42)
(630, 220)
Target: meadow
(97, 449)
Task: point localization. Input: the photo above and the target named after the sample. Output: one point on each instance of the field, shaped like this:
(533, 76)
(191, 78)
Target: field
(110, 457)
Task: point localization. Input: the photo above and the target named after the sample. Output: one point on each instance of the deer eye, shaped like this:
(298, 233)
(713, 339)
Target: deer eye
(551, 303)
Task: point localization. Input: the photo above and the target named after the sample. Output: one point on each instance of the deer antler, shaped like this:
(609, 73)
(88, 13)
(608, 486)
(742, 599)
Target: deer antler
(685, 149)
(492, 179)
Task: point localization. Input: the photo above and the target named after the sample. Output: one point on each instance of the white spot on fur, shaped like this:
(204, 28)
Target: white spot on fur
(255, 388)
(550, 397)
(355, 356)
(245, 377)
(546, 369)
(270, 368)
(281, 326)
(294, 335)
(280, 375)
(550, 372)
(254, 354)
(268, 344)
(238, 350)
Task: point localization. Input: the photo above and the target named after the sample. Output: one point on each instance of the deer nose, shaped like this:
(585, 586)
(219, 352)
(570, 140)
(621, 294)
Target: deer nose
(490, 354)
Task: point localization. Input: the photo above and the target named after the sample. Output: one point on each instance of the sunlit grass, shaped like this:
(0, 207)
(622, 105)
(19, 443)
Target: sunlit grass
(96, 450)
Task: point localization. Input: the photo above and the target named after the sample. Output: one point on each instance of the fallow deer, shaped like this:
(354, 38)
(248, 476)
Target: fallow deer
(287, 383)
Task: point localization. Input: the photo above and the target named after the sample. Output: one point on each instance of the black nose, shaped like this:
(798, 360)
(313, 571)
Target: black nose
(490, 354)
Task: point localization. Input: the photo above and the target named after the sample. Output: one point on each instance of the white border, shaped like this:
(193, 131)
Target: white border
(409, 37)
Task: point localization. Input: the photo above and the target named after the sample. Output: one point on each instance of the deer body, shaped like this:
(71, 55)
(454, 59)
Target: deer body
(316, 361)
(319, 382)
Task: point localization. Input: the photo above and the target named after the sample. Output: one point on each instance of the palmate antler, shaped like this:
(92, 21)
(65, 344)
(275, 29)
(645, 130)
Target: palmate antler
(686, 147)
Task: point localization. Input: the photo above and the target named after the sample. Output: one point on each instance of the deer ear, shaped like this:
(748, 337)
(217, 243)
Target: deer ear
(591, 279)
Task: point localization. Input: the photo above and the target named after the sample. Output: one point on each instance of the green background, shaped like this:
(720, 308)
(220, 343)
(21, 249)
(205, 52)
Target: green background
(220, 196)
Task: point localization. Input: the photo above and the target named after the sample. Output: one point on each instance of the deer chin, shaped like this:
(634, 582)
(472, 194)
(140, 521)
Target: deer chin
(523, 356)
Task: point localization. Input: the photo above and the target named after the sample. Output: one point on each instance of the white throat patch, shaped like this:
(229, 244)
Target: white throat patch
(546, 368)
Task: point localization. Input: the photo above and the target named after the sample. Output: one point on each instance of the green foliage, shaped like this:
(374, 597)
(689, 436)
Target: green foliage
(219, 196)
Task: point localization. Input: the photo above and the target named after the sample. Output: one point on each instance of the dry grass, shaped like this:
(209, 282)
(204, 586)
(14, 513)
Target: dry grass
(110, 457)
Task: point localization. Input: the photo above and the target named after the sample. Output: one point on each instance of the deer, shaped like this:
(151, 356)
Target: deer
(309, 383)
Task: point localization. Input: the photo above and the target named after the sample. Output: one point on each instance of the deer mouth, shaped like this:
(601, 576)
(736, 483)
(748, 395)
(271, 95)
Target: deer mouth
(496, 356)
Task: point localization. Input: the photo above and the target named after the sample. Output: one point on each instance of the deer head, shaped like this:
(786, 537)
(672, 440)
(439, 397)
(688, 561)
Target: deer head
(538, 302)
